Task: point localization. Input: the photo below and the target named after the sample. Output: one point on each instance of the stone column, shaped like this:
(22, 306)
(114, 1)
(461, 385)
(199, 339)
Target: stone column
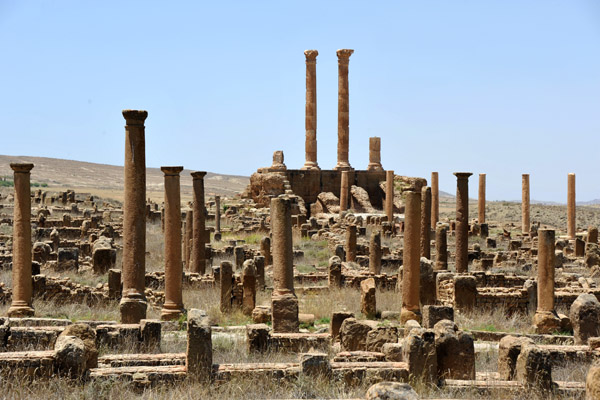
(435, 199)
(199, 233)
(525, 221)
(546, 319)
(375, 253)
(283, 300)
(217, 218)
(133, 301)
(425, 222)
(173, 306)
(226, 286)
(441, 247)
(265, 250)
(187, 237)
(592, 236)
(249, 285)
(571, 222)
(481, 200)
(22, 285)
(389, 195)
(310, 120)
(351, 243)
(374, 154)
(344, 191)
(462, 221)
(343, 110)
(411, 273)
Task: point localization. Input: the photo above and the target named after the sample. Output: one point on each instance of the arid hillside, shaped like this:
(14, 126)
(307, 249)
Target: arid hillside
(107, 180)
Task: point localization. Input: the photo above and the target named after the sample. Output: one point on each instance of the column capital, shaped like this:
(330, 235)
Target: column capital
(463, 175)
(344, 54)
(311, 55)
(135, 117)
(171, 170)
(198, 174)
(21, 167)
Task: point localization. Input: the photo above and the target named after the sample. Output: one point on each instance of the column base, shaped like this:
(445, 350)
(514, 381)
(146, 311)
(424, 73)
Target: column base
(309, 165)
(285, 313)
(133, 309)
(407, 315)
(343, 166)
(171, 312)
(546, 322)
(375, 167)
(20, 310)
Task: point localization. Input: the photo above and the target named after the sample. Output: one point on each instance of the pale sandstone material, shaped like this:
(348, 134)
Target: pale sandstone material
(217, 217)
(525, 220)
(412, 260)
(571, 221)
(249, 285)
(425, 222)
(374, 154)
(133, 301)
(389, 195)
(462, 221)
(435, 199)
(343, 110)
(310, 119)
(351, 243)
(545, 318)
(173, 307)
(481, 200)
(344, 191)
(375, 253)
(199, 233)
(21, 305)
(441, 247)
(368, 303)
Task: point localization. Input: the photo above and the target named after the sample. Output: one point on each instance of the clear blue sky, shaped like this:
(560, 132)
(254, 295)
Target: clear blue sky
(501, 87)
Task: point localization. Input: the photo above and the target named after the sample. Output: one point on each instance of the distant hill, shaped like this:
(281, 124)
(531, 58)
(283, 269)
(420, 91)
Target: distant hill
(84, 175)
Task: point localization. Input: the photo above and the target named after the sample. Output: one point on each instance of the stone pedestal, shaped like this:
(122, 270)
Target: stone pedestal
(133, 302)
(411, 261)
(441, 247)
(310, 121)
(343, 110)
(173, 306)
(22, 287)
(199, 233)
(351, 243)
(374, 154)
(462, 221)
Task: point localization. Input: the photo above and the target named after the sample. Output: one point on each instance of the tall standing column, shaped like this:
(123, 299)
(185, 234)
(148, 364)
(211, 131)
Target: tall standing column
(375, 253)
(344, 191)
(571, 223)
(481, 200)
(425, 222)
(199, 234)
(389, 195)
(411, 274)
(545, 319)
(310, 120)
(351, 243)
(217, 218)
(435, 199)
(343, 110)
(173, 306)
(525, 221)
(283, 300)
(187, 238)
(374, 154)
(441, 247)
(133, 301)
(462, 221)
(22, 285)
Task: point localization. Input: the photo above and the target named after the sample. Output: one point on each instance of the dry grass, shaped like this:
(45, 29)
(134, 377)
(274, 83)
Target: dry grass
(495, 320)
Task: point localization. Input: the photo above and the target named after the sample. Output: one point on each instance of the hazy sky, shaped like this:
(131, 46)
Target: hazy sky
(501, 87)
